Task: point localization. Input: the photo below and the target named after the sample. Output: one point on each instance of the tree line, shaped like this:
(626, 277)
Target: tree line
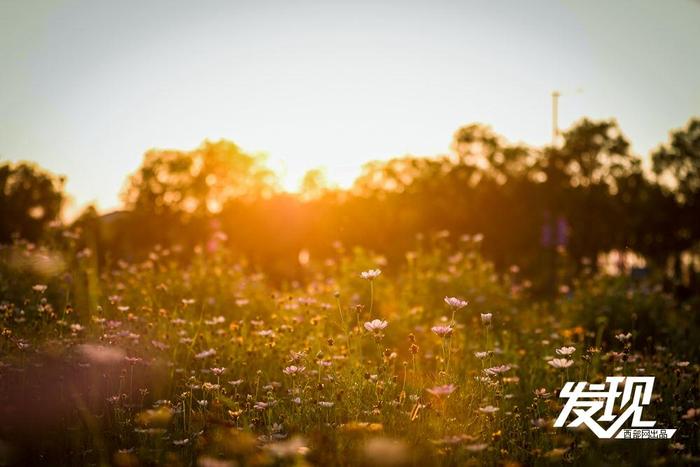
(565, 203)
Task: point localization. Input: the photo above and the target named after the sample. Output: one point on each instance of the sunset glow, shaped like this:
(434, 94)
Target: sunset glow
(88, 87)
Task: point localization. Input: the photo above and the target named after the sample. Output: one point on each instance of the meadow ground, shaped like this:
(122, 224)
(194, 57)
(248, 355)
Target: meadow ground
(435, 361)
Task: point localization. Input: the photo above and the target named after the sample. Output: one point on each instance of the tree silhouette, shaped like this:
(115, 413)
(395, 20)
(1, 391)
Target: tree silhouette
(30, 198)
(677, 167)
(677, 163)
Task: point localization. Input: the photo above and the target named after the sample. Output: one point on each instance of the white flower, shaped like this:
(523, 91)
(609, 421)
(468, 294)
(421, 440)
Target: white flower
(560, 362)
(370, 274)
(481, 355)
(565, 351)
(41, 288)
(489, 409)
(623, 337)
(486, 318)
(456, 303)
(376, 325)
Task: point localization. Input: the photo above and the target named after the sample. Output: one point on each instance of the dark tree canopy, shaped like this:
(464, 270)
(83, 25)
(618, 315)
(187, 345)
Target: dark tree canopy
(30, 198)
(576, 200)
(677, 162)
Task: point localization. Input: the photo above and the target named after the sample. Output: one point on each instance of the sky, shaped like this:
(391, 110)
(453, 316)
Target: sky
(87, 86)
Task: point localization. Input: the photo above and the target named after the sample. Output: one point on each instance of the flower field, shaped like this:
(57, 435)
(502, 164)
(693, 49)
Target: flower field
(437, 360)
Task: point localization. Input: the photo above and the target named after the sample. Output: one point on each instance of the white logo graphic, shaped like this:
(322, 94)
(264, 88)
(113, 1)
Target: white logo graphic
(636, 392)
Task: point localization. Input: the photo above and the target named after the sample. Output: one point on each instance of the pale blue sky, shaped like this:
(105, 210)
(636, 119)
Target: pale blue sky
(87, 86)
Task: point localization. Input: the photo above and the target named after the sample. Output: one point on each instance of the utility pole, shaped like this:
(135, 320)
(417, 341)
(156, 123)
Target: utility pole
(555, 117)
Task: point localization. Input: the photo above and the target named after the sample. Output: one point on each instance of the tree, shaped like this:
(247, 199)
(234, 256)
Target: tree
(593, 153)
(198, 182)
(30, 198)
(478, 146)
(588, 183)
(313, 185)
(677, 163)
(175, 195)
(677, 167)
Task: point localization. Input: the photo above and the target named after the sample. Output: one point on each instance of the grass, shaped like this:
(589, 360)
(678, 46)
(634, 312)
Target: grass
(211, 363)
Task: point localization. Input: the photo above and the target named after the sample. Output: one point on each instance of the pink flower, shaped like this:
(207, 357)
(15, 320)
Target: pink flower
(496, 370)
(560, 362)
(442, 331)
(293, 370)
(456, 303)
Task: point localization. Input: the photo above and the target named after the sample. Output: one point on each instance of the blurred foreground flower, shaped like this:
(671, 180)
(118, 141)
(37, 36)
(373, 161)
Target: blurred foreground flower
(442, 391)
(385, 451)
(102, 355)
(208, 461)
(290, 448)
(362, 426)
(159, 417)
